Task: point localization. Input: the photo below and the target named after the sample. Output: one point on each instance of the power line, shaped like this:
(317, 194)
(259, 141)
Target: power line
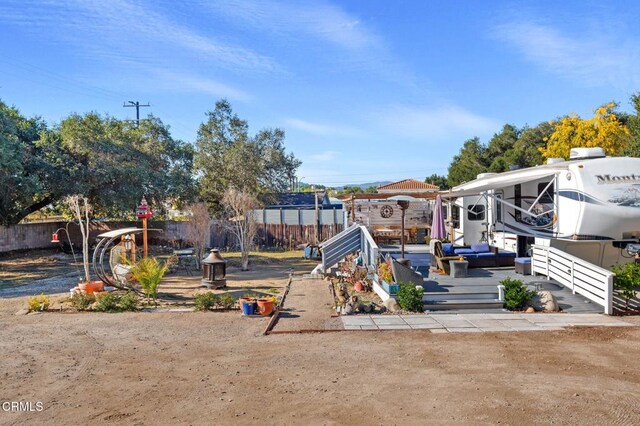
(137, 106)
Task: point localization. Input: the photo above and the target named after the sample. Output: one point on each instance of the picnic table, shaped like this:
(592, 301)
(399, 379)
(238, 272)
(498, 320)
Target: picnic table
(186, 260)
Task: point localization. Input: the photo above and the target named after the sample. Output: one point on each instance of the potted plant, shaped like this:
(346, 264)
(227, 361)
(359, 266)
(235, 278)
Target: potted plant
(265, 305)
(80, 207)
(247, 304)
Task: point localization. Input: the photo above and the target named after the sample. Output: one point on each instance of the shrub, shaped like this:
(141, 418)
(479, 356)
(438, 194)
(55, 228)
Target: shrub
(627, 280)
(410, 297)
(149, 272)
(129, 302)
(108, 303)
(226, 301)
(82, 301)
(206, 301)
(39, 303)
(516, 294)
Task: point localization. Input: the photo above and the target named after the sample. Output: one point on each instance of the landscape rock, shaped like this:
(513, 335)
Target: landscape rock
(530, 310)
(391, 305)
(545, 301)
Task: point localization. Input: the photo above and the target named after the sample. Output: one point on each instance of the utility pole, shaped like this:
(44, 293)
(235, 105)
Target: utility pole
(137, 106)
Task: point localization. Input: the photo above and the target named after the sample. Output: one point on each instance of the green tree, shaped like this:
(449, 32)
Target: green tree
(228, 157)
(26, 175)
(349, 190)
(633, 123)
(468, 163)
(498, 146)
(526, 150)
(113, 162)
(438, 180)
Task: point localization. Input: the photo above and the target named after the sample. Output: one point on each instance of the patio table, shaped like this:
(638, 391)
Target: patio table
(458, 268)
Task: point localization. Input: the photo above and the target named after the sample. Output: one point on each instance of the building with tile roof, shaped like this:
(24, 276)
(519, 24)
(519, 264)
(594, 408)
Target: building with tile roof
(407, 186)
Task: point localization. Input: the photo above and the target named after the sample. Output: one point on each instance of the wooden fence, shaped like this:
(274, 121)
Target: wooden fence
(31, 236)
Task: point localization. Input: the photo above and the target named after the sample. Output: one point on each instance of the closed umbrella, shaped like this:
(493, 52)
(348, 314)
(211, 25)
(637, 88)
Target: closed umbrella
(438, 230)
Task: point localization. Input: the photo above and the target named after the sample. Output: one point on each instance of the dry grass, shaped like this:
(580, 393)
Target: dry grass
(23, 268)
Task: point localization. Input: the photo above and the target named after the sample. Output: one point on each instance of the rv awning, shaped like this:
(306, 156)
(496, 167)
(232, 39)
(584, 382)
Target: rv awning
(502, 180)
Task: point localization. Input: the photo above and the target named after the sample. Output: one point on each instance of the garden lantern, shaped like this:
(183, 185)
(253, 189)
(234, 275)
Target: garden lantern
(214, 270)
(144, 212)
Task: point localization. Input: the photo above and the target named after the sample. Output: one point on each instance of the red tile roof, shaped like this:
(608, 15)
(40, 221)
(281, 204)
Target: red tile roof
(408, 184)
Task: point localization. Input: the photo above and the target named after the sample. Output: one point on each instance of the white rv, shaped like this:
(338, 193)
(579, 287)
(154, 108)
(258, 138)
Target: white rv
(588, 206)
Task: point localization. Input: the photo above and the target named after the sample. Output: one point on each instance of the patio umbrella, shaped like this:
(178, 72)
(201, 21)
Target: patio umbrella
(438, 230)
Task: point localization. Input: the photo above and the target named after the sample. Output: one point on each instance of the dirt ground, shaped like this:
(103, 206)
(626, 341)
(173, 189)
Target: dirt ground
(218, 368)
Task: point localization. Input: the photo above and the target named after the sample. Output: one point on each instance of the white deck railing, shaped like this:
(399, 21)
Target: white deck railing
(591, 281)
(354, 238)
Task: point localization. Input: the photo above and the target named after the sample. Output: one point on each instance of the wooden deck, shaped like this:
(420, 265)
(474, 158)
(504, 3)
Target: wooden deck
(485, 280)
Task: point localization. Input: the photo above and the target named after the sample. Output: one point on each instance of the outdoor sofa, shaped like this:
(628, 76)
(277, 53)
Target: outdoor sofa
(481, 255)
(478, 255)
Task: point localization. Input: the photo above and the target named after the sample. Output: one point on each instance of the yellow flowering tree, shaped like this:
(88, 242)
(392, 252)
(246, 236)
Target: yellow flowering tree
(603, 130)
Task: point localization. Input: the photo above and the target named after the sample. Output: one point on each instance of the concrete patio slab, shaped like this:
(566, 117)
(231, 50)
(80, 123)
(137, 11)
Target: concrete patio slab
(426, 326)
(389, 320)
(419, 319)
(472, 323)
(394, 327)
(357, 321)
(458, 323)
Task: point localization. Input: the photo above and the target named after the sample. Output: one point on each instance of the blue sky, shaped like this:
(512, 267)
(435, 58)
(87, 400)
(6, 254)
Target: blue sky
(365, 90)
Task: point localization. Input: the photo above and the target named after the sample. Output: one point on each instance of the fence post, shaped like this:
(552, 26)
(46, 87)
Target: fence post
(608, 303)
(547, 254)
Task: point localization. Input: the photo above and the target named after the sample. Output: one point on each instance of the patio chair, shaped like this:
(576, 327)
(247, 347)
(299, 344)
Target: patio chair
(442, 261)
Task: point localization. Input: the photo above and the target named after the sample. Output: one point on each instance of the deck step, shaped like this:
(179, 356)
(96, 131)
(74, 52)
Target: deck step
(460, 304)
(459, 295)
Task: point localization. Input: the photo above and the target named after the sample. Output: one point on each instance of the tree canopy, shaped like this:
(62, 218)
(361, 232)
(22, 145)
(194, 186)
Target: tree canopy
(604, 130)
(113, 162)
(510, 147)
(228, 157)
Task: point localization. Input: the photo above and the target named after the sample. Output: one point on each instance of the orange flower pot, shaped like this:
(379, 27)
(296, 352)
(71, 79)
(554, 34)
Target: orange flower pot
(265, 306)
(91, 287)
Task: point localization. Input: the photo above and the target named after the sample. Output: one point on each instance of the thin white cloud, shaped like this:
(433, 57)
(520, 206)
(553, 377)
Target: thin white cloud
(188, 82)
(318, 19)
(324, 156)
(434, 124)
(131, 30)
(321, 29)
(591, 58)
(320, 129)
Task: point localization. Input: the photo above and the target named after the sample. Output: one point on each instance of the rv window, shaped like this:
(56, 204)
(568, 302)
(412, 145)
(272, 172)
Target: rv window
(548, 195)
(499, 208)
(455, 216)
(476, 212)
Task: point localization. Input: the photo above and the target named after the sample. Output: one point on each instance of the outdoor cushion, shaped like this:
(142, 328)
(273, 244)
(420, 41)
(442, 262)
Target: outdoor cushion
(485, 255)
(522, 260)
(504, 253)
(480, 248)
(470, 256)
(464, 251)
(448, 249)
